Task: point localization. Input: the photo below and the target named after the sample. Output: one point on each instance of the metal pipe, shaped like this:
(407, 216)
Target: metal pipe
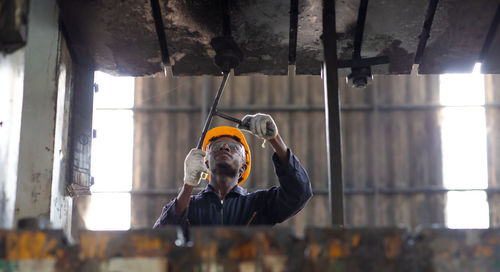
(332, 115)
(227, 117)
(213, 109)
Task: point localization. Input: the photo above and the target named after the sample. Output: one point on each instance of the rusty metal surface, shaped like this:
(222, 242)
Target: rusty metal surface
(336, 249)
(103, 245)
(248, 249)
(459, 250)
(255, 249)
(457, 36)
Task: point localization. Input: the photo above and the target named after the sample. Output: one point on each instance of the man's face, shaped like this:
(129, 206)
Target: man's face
(226, 156)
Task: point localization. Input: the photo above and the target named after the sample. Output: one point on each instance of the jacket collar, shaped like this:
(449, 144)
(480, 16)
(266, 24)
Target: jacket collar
(236, 189)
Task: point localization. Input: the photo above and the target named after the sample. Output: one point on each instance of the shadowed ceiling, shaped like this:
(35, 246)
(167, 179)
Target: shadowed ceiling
(119, 36)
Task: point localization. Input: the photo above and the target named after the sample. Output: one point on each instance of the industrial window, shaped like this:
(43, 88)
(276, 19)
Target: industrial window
(463, 132)
(112, 147)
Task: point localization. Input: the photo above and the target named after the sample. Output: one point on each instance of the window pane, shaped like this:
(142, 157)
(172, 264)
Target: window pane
(109, 212)
(112, 150)
(463, 134)
(462, 89)
(467, 210)
(114, 92)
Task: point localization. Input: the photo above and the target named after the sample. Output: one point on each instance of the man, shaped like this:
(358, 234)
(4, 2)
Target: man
(227, 161)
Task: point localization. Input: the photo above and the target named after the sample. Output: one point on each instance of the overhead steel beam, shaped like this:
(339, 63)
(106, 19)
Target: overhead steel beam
(426, 29)
(294, 19)
(332, 115)
(160, 33)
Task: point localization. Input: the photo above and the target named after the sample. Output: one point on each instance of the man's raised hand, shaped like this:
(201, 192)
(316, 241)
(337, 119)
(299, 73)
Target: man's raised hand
(261, 125)
(194, 166)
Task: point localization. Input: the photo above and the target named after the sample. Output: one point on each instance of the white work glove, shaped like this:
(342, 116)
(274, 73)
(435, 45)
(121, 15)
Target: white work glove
(261, 125)
(194, 166)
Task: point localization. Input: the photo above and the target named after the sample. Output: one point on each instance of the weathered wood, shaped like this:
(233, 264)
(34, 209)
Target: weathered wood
(492, 95)
(385, 149)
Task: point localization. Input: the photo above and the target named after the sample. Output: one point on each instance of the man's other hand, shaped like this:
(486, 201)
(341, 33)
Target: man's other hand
(194, 165)
(261, 125)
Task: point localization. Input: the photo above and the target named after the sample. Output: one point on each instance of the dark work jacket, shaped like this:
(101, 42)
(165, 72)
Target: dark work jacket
(263, 207)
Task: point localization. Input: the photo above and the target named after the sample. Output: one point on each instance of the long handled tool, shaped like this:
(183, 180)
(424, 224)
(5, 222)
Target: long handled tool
(228, 56)
(213, 111)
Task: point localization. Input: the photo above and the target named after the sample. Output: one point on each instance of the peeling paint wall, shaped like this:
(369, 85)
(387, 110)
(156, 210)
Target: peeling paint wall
(11, 97)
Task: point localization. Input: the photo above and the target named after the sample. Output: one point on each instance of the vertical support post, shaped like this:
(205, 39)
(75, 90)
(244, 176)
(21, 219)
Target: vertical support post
(332, 115)
(81, 131)
(36, 142)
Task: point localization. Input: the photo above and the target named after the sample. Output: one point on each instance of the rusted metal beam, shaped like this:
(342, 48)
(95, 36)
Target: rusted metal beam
(254, 249)
(332, 115)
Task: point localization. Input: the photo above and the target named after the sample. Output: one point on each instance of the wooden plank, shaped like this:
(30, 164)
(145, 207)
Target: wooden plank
(301, 132)
(319, 206)
(261, 157)
(457, 36)
(493, 144)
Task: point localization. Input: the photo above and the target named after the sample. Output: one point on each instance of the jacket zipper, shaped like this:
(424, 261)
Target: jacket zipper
(222, 211)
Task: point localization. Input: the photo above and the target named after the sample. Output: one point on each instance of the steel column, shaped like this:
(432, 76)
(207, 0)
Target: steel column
(332, 115)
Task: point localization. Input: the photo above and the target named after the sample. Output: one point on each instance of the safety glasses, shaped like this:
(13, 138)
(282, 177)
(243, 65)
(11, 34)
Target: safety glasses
(234, 147)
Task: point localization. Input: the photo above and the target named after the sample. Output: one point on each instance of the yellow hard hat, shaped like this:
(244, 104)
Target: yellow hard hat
(231, 132)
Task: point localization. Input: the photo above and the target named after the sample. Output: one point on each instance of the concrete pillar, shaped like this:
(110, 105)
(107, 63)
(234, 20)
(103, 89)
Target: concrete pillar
(37, 136)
